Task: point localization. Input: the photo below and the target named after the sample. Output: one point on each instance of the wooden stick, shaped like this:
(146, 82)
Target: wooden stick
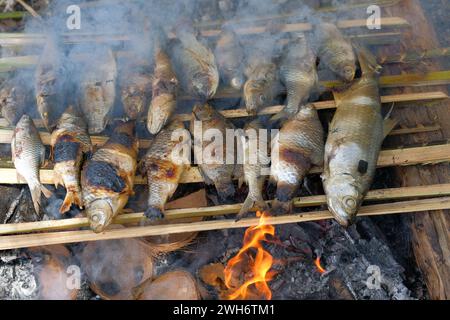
(24, 39)
(63, 237)
(174, 214)
(418, 129)
(397, 157)
(5, 136)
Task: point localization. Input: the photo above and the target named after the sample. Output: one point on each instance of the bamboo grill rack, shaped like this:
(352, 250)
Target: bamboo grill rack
(387, 201)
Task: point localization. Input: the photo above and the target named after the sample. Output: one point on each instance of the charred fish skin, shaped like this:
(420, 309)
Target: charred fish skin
(298, 74)
(13, 101)
(262, 84)
(98, 91)
(162, 169)
(70, 142)
(107, 179)
(28, 154)
(353, 143)
(164, 93)
(253, 168)
(300, 146)
(335, 51)
(50, 84)
(195, 65)
(218, 173)
(230, 56)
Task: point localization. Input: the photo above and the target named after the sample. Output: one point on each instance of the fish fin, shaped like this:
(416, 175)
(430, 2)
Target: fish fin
(388, 125)
(51, 156)
(71, 198)
(282, 115)
(47, 193)
(367, 60)
(241, 181)
(20, 178)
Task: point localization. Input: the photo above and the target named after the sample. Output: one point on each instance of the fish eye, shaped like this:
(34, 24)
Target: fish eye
(262, 98)
(349, 202)
(45, 114)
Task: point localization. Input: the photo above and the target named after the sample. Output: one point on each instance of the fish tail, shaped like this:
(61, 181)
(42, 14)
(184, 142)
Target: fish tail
(36, 190)
(72, 197)
(252, 202)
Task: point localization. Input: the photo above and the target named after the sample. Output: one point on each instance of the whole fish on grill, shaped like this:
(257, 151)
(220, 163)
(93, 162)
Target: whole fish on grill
(13, 100)
(107, 179)
(211, 155)
(354, 141)
(70, 142)
(298, 74)
(164, 92)
(28, 155)
(50, 83)
(163, 165)
(300, 146)
(335, 51)
(230, 57)
(262, 85)
(256, 161)
(98, 90)
(194, 65)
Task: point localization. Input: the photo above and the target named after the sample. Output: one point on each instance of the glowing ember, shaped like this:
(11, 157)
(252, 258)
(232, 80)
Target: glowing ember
(318, 265)
(255, 279)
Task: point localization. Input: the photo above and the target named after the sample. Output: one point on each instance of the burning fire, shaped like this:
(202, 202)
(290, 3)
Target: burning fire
(318, 265)
(258, 265)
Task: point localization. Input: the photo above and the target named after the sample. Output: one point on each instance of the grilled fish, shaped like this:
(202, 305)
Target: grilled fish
(300, 146)
(70, 142)
(211, 155)
(230, 56)
(98, 91)
(354, 141)
(335, 51)
(107, 178)
(164, 93)
(195, 65)
(28, 155)
(135, 92)
(255, 162)
(163, 171)
(262, 84)
(50, 84)
(298, 74)
(13, 101)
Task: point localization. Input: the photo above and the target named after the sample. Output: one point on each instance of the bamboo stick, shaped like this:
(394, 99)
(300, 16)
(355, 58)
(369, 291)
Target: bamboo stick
(5, 136)
(397, 157)
(409, 57)
(8, 39)
(418, 129)
(64, 237)
(438, 190)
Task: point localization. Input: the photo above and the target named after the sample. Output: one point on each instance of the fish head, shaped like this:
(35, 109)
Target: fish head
(347, 71)
(160, 111)
(203, 112)
(255, 96)
(100, 214)
(343, 198)
(237, 82)
(49, 117)
(203, 85)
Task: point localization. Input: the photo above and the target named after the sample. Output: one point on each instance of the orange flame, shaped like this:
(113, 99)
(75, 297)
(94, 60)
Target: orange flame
(319, 266)
(259, 265)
